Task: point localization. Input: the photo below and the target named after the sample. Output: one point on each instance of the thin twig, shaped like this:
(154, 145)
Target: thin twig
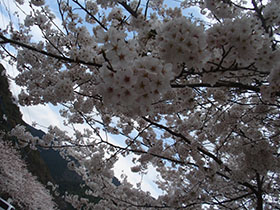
(92, 16)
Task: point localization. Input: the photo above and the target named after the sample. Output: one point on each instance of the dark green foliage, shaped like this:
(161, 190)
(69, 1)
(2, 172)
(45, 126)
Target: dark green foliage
(7, 106)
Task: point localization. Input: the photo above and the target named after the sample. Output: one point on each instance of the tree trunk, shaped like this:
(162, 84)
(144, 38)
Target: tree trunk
(259, 201)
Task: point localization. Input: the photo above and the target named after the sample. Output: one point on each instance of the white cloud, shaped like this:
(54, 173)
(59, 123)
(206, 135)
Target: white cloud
(147, 180)
(42, 114)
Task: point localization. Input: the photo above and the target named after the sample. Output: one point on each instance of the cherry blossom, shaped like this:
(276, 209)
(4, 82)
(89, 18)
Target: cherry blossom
(26, 191)
(194, 97)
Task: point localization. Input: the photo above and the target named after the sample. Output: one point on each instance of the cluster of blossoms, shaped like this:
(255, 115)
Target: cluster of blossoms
(271, 14)
(220, 9)
(49, 88)
(24, 137)
(26, 191)
(134, 88)
(85, 47)
(267, 58)
(245, 165)
(263, 152)
(130, 84)
(269, 92)
(106, 3)
(92, 8)
(39, 19)
(241, 37)
(181, 41)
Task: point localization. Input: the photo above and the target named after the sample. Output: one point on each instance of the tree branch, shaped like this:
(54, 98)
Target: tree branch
(203, 151)
(93, 17)
(259, 193)
(63, 58)
(219, 84)
(128, 8)
(261, 17)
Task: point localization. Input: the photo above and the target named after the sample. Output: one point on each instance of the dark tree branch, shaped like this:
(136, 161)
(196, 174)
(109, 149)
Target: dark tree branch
(234, 199)
(6, 40)
(241, 7)
(92, 16)
(188, 141)
(138, 5)
(128, 8)
(262, 19)
(219, 84)
(146, 9)
(259, 193)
